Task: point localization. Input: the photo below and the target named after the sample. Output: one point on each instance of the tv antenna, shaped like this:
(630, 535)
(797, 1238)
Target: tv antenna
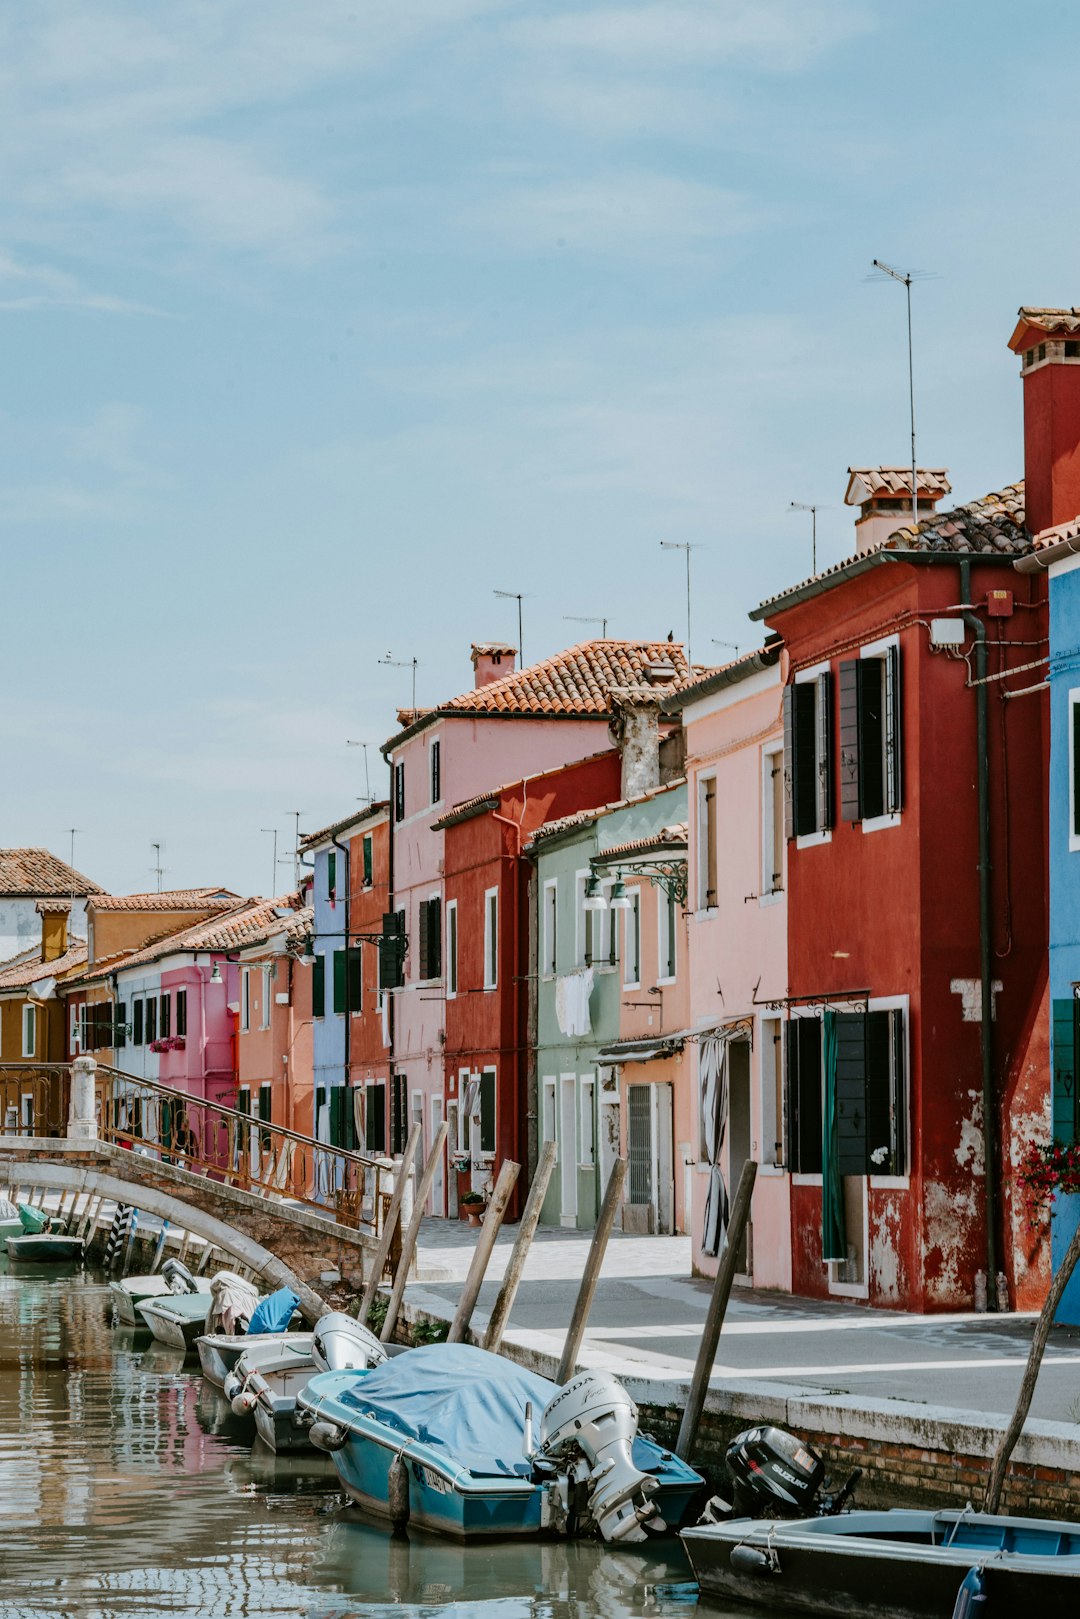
(367, 777)
(573, 618)
(731, 645)
(813, 509)
(296, 814)
(71, 861)
(683, 545)
(403, 663)
(515, 596)
(905, 278)
(157, 868)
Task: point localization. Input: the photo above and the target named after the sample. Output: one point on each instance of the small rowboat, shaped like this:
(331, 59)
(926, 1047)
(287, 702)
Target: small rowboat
(39, 1243)
(901, 1564)
(176, 1319)
(220, 1351)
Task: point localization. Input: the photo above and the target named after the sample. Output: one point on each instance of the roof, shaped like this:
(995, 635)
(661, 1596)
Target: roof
(37, 873)
(29, 968)
(1051, 545)
(491, 649)
(864, 483)
(248, 922)
(994, 525)
(729, 674)
(469, 807)
(370, 812)
(584, 817)
(169, 899)
(575, 683)
(1065, 321)
(668, 837)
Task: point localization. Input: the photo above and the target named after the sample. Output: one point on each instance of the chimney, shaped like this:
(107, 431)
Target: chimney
(883, 496)
(492, 660)
(54, 926)
(1048, 343)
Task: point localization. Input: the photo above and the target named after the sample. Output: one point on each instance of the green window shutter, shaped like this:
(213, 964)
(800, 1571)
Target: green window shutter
(318, 987)
(331, 876)
(339, 981)
(850, 794)
(356, 980)
(423, 942)
(392, 950)
(894, 731)
(789, 761)
(851, 1093)
(824, 752)
(487, 1110)
(804, 744)
(368, 874)
(434, 937)
(804, 1095)
(120, 1026)
(376, 1118)
(1063, 1050)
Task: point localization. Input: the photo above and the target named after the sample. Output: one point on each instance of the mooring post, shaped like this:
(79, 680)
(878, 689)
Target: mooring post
(493, 1219)
(522, 1243)
(390, 1224)
(82, 1110)
(408, 1245)
(591, 1273)
(714, 1320)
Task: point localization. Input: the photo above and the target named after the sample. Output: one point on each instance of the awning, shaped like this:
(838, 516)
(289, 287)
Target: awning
(624, 1051)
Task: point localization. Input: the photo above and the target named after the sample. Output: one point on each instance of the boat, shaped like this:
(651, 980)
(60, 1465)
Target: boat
(902, 1563)
(220, 1351)
(268, 1377)
(177, 1319)
(442, 1438)
(10, 1223)
(40, 1240)
(131, 1291)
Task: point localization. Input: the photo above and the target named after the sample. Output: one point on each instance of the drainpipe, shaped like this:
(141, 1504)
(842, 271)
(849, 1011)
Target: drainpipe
(348, 1020)
(990, 1152)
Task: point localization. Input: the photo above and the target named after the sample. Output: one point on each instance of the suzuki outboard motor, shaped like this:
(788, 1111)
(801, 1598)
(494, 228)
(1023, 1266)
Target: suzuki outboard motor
(177, 1277)
(775, 1475)
(594, 1417)
(340, 1344)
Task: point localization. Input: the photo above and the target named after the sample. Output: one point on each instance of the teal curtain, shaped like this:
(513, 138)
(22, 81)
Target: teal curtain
(833, 1227)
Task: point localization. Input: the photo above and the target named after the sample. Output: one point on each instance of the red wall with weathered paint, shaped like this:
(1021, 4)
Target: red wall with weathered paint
(368, 1054)
(896, 912)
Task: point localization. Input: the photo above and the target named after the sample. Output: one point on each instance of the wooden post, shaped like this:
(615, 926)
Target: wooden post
(393, 1215)
(591, 1274)
(485, 1242)
(522, 1243)
(714, 1320)
(1007, 1443)
(412, 1232)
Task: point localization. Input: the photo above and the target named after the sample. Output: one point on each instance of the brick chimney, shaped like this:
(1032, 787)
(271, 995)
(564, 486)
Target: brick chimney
(883, 496)
(492, 660)
(1048, 343)
(54, 926)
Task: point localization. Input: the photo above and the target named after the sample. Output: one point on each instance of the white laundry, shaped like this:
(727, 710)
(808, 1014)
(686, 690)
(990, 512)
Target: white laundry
(234, 1301)
(572, 992)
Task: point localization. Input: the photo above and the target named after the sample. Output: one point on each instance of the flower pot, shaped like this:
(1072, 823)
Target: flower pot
(475, 1213)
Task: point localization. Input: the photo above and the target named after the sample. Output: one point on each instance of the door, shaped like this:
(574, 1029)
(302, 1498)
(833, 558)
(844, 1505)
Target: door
(639, 1213)
(438, 1184)
(568, 1156)
(739, 1135)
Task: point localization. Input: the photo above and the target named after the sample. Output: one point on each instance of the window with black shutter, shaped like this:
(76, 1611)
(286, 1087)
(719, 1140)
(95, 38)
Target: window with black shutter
(166, 1016)
(150, 1020)
(375, 1119)
(399, 792)
(392, 946)
(399, 1114)
(136, 1023)
(356, 978)
(119, 1039)
(1065, 1043)
(435, 758)
(871, 1095)
(870, 736)
(487, 1110)
(331, 875)
(368, 860)
(803, 1110)
(340, 985)
(318, 987)
(181, 1011)
(430, 941)
(808, 756)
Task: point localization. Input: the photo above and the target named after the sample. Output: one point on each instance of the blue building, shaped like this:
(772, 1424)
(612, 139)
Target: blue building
(336, 968)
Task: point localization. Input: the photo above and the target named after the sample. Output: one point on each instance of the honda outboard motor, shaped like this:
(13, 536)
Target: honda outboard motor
(594, 1419)
(340, 1344)
(775, 1475)
(177, 1277)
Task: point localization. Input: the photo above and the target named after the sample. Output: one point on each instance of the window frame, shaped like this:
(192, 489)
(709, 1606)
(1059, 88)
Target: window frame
(489, 1115)
(886, 651)
(632, 918)
(820, 675)
(181, 1012)
(551, 929)
(583, 931)
(266, 993)
(435, 771)
(666, 910)
(399, 790)
(367, 856)
(29, 1022)
(245, 999)
(450, 912)
(491, 938)
(1074, 767)
(706, 844)
(331, 875)
(772, 821)
(586, 1131)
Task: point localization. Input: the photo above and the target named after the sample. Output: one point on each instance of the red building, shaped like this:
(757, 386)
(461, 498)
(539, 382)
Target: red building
(385, 1113)
(914, 990)
(488, 956)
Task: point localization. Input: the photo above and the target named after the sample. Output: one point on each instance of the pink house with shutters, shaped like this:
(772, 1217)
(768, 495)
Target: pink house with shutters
(511, 725)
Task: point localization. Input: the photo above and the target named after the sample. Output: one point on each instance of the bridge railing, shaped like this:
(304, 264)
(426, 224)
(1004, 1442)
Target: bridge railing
(34, 1098)
(239, 1150)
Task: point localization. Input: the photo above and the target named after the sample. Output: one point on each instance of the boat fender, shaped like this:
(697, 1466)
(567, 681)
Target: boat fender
(327, 1435)
(397, 1492)
(244, 1402)
(754, 1560)
(971, 1597)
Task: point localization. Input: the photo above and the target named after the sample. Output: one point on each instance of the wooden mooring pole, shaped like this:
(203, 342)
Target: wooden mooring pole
(714, 1320)
(591, 1274)
(485, 1242)
(522, 1243)
(408, 1244)
(390, 1225)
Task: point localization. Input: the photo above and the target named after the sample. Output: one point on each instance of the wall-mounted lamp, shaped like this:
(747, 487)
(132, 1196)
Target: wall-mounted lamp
(620, 899)
(215, 976)
(594, 896)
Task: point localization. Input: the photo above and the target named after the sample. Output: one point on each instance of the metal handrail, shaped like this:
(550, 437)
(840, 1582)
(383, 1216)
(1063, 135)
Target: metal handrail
(47, 1084)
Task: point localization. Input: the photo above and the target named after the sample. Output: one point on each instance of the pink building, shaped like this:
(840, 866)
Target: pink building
(513, 724)
(737, 921)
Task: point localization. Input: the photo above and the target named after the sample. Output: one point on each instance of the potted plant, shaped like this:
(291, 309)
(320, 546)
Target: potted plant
(474, 1204)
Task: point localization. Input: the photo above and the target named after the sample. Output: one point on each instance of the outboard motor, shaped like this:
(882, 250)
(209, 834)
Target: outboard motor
(776, 1476)
(339, 1343)
(588, 1430)
(178, 1278)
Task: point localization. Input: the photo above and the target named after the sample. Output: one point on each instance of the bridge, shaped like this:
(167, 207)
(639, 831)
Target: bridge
(285, 1206)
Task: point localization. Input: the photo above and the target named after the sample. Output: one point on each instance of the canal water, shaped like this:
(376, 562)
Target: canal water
(127, 1491)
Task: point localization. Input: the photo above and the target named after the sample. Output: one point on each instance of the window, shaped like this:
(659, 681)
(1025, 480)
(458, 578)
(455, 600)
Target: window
(430, 941)
(318, 987)
(551, 928)
(399, 792)
(587, 1124)
(245, 999)
(871, 1093)
(807, 755)
(609, 947)
(368, 859)
(487, 1110)
(804, 1095)
(266, 1114)
(1065, 1043)
(137, 1023)
(150, 1020)
(354, 966)
(74, 1031)
(451, 949)
(340, 984)
(547, 1122)
(666, 945)
(29, 1031)
(181, 1011)
(120, 1022)
(264, 1003)
(772, 830)
(583, 922)
(632, 941)
(375, 1119)
(165, 1015)
(392, 951)
(331, 875)
(706, 843)
(399, 1114)
(870, 763)
(1074, 770)
(772, 1092)
(491, 938)
(434, 763)
(463, 1112)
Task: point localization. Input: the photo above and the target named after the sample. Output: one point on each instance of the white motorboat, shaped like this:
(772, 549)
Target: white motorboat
(131, 1291)
(267, 1380)
(220, 1351)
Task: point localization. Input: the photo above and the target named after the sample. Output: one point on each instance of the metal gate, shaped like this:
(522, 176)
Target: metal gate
(639, 1136)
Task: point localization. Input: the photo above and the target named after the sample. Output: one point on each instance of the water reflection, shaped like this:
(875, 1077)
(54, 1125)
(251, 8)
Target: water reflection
(129, 1491)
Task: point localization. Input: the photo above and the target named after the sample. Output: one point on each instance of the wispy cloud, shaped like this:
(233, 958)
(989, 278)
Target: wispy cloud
(42, 286)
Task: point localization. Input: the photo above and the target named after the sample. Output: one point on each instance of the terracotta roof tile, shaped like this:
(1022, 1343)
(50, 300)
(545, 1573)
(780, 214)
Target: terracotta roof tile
(583, 817)
(248, 922)
(370, 812)
(22, 972)
(37, 872)
(866, 482)
(1056, 535)
(668, 837)
(1050, 320)
(170, 899)
(488, 649)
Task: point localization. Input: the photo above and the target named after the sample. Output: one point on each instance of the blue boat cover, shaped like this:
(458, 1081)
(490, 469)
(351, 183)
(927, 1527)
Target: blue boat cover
(274, 1312)
(462, 1401)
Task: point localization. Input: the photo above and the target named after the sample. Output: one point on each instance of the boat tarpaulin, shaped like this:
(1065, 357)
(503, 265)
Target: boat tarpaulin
(273, 1313)
(462, 1401)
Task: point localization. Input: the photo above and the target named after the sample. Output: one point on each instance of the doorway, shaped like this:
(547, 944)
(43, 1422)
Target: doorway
(650, 1199)
(568, 1148)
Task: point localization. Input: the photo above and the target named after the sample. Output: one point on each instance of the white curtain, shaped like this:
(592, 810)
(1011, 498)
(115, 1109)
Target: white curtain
(713, 1088)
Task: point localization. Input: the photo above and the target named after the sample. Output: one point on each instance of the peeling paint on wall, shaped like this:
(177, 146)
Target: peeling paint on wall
(971, 1152)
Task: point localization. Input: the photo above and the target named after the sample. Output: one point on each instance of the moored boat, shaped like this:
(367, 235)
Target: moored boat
(176, 1319)
(900, 1564)
(267, 1379)
(40, 1239)
(220, 1351)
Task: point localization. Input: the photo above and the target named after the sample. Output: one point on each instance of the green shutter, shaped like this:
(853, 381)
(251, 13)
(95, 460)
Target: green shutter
(1063, 1047)
(331, 876)
(339, 981)
(367, 861)
(318, 987)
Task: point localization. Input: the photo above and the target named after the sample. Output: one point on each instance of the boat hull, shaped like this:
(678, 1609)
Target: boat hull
(44, 1249)
(219, 1353)
(894, 1572)
(172, 1327)
(134, 1290)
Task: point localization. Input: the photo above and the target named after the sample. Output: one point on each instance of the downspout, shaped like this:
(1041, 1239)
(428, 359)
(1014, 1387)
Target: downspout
(521, 1126)
(990, 1148)
(348, 1020)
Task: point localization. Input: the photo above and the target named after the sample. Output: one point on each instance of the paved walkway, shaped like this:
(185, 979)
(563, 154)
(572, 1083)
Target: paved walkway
(649, 1312)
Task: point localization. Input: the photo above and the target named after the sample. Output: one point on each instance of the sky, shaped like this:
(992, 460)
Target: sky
(321, 323)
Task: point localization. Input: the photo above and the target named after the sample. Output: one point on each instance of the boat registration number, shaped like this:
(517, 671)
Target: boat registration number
(428, 1476)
